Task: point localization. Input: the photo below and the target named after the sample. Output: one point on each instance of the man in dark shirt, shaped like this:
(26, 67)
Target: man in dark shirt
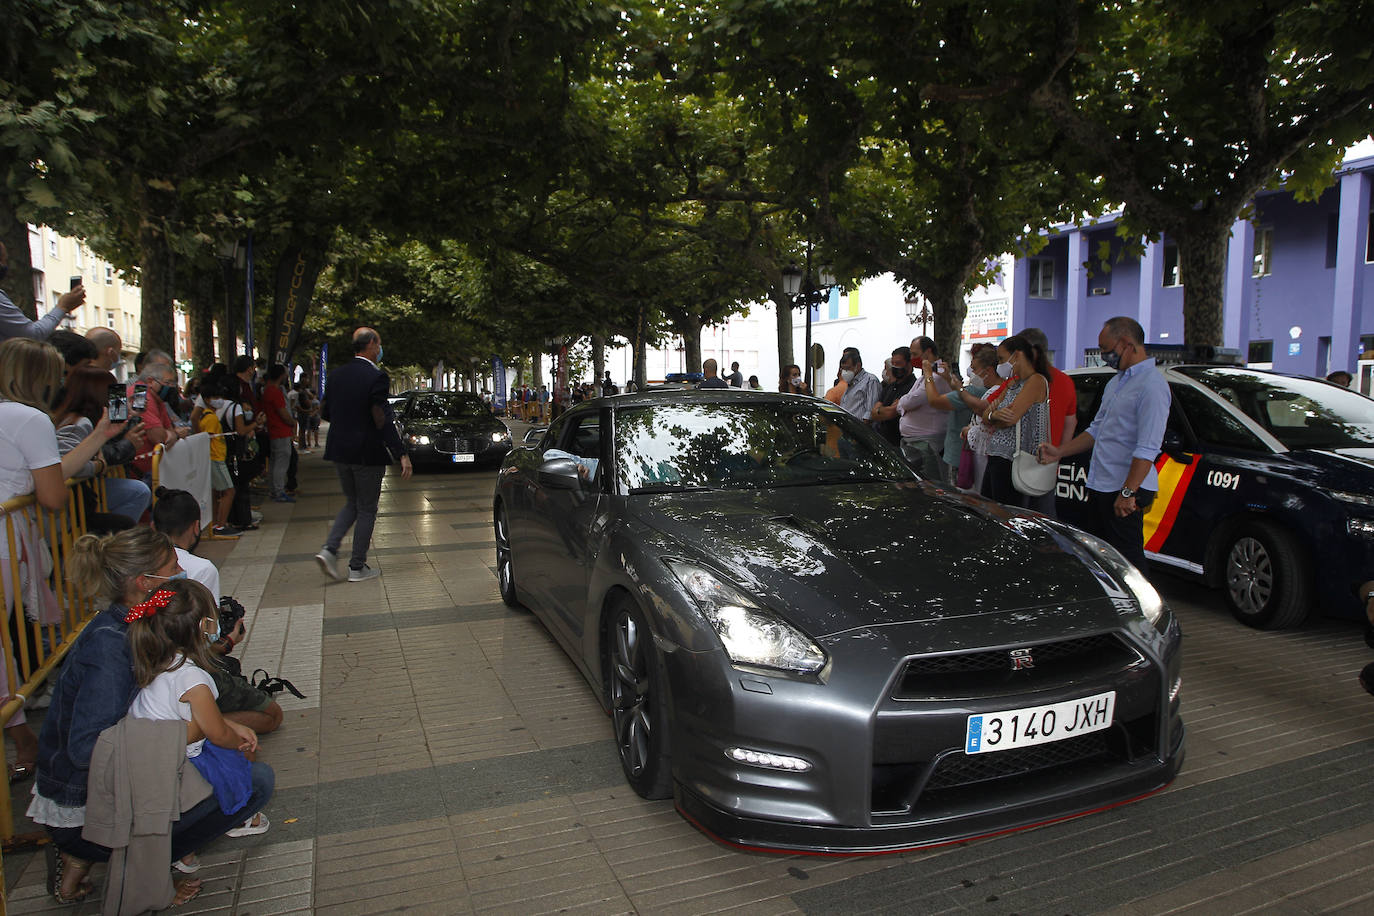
(885, 416)
(735, 378)
(711, 379)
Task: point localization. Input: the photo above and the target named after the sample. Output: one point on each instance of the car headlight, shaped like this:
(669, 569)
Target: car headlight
(502, 435)
(418, 440)
(1117, 566)
(750, 634)
(1358, 499)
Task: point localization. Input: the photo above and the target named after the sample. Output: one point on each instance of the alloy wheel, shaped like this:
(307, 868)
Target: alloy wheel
(631, 695)
(1250, 575)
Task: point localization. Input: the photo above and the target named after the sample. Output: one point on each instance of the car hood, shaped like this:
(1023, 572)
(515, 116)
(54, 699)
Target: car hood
(1339, 468)
(838, 557)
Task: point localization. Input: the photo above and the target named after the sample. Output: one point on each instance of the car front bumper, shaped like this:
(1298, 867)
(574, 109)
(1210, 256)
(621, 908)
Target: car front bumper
(887, 768)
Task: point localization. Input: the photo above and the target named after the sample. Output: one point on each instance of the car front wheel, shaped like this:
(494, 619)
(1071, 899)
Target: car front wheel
(637, 702)
(1266, 578)
(505, 573)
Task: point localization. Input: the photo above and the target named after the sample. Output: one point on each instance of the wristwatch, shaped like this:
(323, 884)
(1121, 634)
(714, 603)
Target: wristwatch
(1127, 493)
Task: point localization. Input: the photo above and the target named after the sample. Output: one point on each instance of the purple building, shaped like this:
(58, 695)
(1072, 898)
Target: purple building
(1299, 290)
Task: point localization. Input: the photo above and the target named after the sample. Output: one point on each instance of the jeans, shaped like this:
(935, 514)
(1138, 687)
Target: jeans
(1125, 534)
(125, 496)
(196, 828)
(281, 461)
(925, 455)
(362, 488)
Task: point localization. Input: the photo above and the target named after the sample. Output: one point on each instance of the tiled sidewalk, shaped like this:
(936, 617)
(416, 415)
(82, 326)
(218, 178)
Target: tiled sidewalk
(448, 758)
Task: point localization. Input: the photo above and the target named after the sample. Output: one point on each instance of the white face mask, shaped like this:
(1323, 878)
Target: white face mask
(217, 403)
(1004, 370)
(847, 374)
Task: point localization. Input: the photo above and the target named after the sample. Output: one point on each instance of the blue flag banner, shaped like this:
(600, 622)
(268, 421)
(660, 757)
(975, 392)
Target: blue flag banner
(324, 361)
(498, 385)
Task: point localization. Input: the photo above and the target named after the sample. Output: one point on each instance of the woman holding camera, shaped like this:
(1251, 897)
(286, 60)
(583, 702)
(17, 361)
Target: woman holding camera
(30, 375)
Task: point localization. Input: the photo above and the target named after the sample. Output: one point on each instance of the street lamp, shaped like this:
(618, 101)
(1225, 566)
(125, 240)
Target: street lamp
(808, 290)
(230, 256)
(918, 309)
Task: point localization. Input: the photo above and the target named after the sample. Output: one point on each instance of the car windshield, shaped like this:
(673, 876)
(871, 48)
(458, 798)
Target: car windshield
(691, 446)
(445, 407)
(1300, 413)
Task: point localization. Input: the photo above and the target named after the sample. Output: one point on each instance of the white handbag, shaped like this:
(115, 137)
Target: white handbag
(1028, 475)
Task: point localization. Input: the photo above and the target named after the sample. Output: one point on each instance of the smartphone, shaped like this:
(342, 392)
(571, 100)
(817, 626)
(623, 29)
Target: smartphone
(118, 404)
(76, 281)
(140, 398)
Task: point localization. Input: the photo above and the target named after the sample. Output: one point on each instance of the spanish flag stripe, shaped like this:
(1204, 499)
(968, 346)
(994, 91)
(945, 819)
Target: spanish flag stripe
(1174, 478)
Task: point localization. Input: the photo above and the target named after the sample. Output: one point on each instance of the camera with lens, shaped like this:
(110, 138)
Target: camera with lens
(230, 613)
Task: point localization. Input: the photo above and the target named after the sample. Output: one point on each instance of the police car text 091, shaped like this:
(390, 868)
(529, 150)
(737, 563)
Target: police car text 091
(1266, 488)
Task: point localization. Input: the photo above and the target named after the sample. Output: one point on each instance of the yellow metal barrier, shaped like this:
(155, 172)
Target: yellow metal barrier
(44, 613)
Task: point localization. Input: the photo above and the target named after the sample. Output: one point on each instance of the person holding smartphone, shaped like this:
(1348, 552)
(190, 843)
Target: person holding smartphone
(14, 323)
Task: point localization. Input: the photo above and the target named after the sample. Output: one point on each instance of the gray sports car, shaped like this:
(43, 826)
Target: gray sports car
(811, 648)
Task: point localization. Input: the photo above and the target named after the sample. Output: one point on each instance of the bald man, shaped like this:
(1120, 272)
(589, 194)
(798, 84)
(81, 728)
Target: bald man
(109, 348)
(362, 441)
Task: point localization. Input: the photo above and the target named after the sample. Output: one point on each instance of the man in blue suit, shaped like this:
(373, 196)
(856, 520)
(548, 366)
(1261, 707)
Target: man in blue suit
(362, 441)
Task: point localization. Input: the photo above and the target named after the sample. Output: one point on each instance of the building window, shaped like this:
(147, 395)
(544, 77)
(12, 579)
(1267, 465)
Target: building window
(1369, 240)
(110, 321)
(1264, 252)
(1261, 351)
(109, 275)
(1333, 234)
(1041, 278)
(1173, 273)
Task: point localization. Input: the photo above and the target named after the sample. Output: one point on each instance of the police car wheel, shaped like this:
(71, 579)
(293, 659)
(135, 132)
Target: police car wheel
(1265, 577)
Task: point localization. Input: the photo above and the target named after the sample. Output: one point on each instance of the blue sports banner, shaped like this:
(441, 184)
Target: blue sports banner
(498, 385)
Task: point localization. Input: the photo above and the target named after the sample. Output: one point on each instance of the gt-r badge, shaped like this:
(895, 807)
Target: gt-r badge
(1021, 658)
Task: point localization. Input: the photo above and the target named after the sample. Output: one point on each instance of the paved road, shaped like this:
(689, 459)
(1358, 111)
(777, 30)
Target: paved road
(449, 759)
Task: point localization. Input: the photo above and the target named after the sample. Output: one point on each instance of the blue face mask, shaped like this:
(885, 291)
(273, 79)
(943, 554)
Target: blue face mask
(1112, 359)
(379, 354)
(213, 638)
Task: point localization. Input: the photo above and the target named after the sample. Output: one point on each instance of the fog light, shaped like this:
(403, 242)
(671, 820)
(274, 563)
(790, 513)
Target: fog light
(765, 759)
(1360, 526)
(1176, 689)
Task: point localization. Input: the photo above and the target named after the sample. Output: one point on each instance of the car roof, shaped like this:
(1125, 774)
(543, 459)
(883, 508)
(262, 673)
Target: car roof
(706, 396)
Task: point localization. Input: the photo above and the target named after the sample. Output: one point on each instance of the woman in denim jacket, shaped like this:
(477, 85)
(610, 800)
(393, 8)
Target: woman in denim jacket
(93, 693)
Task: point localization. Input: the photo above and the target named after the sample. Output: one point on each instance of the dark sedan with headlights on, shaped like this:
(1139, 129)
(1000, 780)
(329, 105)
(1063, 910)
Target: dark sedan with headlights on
(451, 427)
(811, 648)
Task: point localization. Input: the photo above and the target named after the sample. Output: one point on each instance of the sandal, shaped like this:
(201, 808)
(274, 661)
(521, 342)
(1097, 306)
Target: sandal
(21, 771)
(187, 868)
(248, 828)
(58, 863)
(187, 891)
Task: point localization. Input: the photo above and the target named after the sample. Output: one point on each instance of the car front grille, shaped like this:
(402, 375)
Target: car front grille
(993, 672)
(953, 779)
(451, 445)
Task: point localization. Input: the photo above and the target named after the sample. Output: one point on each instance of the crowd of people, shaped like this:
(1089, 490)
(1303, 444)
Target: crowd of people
(148, 712)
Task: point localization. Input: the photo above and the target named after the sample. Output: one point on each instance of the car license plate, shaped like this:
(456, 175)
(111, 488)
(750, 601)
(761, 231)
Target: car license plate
(1001, 731)
(460, 459)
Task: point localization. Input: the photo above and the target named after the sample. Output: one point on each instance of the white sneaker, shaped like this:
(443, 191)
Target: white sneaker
(248, 828)
(329, 562)
(362, 575)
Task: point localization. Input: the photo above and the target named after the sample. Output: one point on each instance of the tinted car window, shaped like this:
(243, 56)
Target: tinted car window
(1089, 389)
(445, 407)
(1212, 423)
(740, 446)
(1300, 413)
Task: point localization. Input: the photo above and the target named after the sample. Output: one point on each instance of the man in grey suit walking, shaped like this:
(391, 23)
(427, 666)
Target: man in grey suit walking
(362, 442)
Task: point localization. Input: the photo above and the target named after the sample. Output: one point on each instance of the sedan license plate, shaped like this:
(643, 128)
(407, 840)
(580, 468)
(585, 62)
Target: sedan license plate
(461, 459)
(1001, 731)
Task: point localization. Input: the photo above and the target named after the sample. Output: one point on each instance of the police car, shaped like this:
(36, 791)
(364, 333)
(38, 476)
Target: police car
(1266, 488)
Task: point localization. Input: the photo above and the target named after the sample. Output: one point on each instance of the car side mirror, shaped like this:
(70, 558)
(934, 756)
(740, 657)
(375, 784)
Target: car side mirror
(1172, 444)
(559, 474)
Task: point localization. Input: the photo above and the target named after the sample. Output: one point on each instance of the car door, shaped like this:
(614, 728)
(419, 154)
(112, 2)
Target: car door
(572, 519)
(1207, 474)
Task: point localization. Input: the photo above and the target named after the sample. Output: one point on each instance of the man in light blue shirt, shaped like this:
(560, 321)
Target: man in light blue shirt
(1125, 438)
